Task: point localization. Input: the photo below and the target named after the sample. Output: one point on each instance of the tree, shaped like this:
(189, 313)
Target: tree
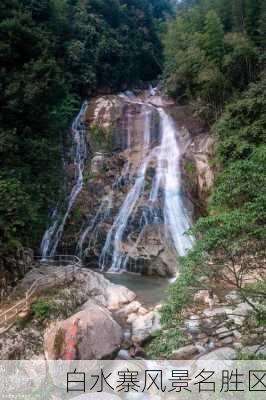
(238, 8)
(213, 37)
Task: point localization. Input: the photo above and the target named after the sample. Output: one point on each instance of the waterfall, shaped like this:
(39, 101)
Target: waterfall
(176, 220)
(91, 230)
(54, 232)
(151, 177)
(115, 235)
(166, 181)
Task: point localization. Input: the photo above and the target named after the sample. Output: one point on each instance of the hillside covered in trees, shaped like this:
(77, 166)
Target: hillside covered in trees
(215, 60)
(54, 53)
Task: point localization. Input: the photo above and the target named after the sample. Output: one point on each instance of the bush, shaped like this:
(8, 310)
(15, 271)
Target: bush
(43, 309)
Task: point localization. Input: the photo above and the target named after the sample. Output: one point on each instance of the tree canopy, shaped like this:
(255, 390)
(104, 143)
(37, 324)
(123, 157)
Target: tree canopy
(53, 54)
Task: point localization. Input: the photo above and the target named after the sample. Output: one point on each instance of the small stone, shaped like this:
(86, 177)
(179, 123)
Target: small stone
(227, 341)
(123, 355)
(237, 334)
(193, 324)
(223, 333)
(23, 314)
(233, 297)
(126, 335)
(201, 348)
(185, 353)
(238, 345)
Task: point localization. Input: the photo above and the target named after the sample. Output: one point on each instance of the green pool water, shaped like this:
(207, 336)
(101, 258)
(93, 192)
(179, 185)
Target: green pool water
(149, 290)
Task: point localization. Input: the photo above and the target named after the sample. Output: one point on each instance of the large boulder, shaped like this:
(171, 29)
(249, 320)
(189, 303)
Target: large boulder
(117, 296)
(144, 325)
(88, 335)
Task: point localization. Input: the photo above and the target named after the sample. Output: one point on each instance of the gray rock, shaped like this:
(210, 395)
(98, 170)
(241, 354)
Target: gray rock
(193, 324)
(233, 297)
(123, 355)
(227, 341)
(240, 313)
(237, 334)
(223, 333)
(243, 309)
(143, 326)
(256, 349)
(219, 311)
(238, 345)
(185, 353)
(224, 353)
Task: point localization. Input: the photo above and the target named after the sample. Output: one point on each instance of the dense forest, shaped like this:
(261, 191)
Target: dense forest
(215, 59)
(53, 54)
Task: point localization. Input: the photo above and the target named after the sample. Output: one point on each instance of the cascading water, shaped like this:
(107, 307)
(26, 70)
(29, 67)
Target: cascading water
(166, 184)
(115, 235)
(152, 180)
(54, 232)
(176, 220)
(91, 230)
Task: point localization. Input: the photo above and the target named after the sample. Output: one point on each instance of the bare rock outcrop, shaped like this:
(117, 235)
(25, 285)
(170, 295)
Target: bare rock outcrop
(88, 335)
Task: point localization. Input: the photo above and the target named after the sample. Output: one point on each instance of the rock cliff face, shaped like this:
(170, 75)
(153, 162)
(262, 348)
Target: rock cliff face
(198, 169)
(13, 267)
(116, 126)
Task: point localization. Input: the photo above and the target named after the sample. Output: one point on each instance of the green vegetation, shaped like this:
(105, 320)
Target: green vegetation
(53, 54)
(217, 64)
(213, 49)
(43, 309)
(163, 343)
(102, 139)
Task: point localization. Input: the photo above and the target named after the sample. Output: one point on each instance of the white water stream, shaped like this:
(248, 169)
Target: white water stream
(165, 190)
(53, 234)
(167, 180)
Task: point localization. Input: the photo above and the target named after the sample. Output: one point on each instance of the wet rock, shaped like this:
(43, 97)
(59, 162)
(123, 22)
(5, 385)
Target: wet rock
(198, 173)
(97, 335)
(97, 163)
(224, 353)
(143, 326)
(185, 353)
